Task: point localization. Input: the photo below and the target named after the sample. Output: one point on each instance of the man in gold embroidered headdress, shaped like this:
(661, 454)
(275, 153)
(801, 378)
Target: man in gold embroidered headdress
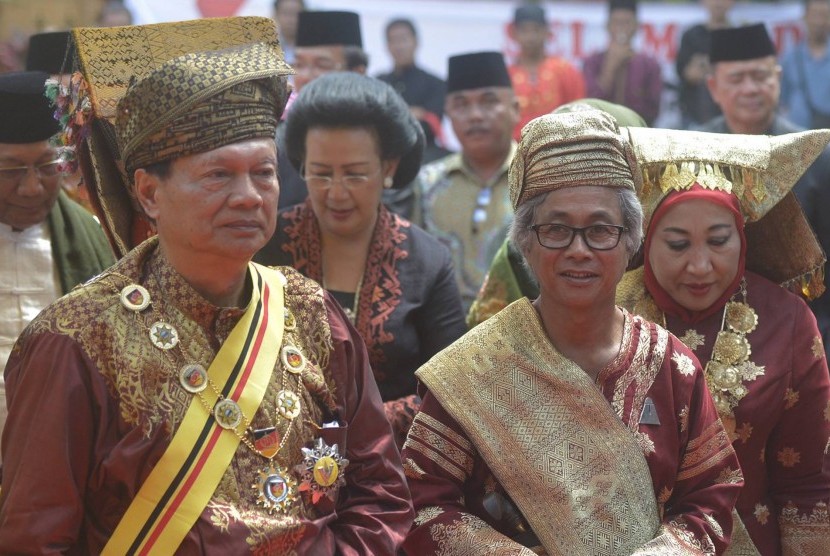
(187, 400)
(566, 422)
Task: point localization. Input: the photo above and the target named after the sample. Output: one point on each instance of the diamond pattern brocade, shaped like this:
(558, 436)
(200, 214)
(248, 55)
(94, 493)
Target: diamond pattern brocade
(514, 394)
(145, 385)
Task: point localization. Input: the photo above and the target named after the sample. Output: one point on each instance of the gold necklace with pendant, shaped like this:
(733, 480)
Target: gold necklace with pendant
(730, 366)
(275, 486)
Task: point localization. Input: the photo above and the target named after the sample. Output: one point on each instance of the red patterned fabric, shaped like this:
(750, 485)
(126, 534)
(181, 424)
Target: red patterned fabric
(408, 307)
(556, 82)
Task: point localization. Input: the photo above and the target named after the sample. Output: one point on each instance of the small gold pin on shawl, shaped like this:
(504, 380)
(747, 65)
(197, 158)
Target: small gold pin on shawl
(649, 414)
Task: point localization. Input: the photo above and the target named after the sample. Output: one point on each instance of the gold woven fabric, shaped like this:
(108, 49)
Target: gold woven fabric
(526, 407)
(111, 59)
(570, 149)
(198, 102)
(760, 171)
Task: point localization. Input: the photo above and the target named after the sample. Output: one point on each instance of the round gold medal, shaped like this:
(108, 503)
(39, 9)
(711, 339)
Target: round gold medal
(193, 378)
(227, 413)
(731, 348)
(293, 359)
(163, 335)
(288, 404)
(325, 471)
(135, 298)
(740, 317)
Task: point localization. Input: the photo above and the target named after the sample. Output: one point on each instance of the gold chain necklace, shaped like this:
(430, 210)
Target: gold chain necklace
(275, 486)
(729, 366)
(322, 470)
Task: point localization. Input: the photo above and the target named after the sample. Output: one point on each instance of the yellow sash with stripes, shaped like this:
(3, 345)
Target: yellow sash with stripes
(182, 483)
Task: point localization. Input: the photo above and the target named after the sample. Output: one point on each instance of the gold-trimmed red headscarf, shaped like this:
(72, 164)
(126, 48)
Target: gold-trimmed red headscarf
(760, 171)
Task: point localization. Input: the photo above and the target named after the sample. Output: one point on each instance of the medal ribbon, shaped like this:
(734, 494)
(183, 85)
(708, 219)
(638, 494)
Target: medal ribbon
(180, 486)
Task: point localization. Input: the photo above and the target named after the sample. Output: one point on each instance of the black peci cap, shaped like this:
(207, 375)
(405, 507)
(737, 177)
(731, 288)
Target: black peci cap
(328, 28)
(25, 111)
(477, 70)
(50, 52)
(740, 43)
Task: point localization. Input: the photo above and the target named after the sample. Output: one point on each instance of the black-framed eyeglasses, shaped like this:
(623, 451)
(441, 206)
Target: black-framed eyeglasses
(599, 237)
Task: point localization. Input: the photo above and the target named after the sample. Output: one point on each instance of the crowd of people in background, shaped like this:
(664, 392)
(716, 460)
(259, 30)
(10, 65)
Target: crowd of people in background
(250, 299)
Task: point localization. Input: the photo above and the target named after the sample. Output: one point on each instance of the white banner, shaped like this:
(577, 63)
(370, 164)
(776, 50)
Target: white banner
(448, 27)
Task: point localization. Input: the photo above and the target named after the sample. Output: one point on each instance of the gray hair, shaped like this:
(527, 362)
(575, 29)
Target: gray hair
(522, 236)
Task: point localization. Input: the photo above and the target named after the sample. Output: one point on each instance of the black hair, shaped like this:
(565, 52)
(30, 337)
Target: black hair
(278, 2)
(161, 169)
(355, 57)
(402, 22)
(349, 100)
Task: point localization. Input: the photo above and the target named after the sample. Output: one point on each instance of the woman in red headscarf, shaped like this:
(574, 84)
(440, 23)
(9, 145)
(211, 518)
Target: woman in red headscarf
(711, 275)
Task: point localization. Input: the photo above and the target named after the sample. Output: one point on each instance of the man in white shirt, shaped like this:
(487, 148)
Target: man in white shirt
(48, 243)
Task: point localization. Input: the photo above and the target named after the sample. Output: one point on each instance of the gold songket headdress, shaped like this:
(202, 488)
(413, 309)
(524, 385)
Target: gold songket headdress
(170, 89)
(571, 149)
(760, 171)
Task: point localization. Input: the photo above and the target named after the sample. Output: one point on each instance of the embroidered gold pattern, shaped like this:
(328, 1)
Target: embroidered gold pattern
(683, 363)
(150, 397)
(427, 513)
(705, 451)
(744, 432)
(761, 513)
(448, 455)
(790, 398)
(557, 446)
(805, 534)
(471, 536)
(674, 539)
(789, 457)
(693, 339)
(730, 476)
(713, 523)
(818, 347)
(412, 470)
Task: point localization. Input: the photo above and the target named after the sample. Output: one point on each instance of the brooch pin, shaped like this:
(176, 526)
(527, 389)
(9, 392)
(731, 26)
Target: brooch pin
(322, 471)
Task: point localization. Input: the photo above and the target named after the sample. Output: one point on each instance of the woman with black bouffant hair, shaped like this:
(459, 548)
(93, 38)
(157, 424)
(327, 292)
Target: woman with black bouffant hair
(351, 137)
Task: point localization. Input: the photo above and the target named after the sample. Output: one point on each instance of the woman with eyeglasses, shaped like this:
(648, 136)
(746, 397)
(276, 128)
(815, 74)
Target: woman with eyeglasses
(723, 231)
(566, 425)
(351, 137)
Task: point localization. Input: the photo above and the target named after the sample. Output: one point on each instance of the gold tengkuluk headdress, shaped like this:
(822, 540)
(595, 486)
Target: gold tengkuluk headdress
(760, 171)
(191, 86)
(570, 149)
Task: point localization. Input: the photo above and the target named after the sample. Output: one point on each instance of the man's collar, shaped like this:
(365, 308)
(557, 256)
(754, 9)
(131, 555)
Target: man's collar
(455, 163)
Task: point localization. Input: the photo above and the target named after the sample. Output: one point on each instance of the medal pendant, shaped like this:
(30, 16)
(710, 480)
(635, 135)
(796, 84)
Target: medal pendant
(267, 441)
(193, 378)
(276, 489)
(322, 470)
(731, 348)
(163, 335)
(293, 359)
(289, 320)
(227, 414)
(740, 317)
(288, 404)
(135, 298)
